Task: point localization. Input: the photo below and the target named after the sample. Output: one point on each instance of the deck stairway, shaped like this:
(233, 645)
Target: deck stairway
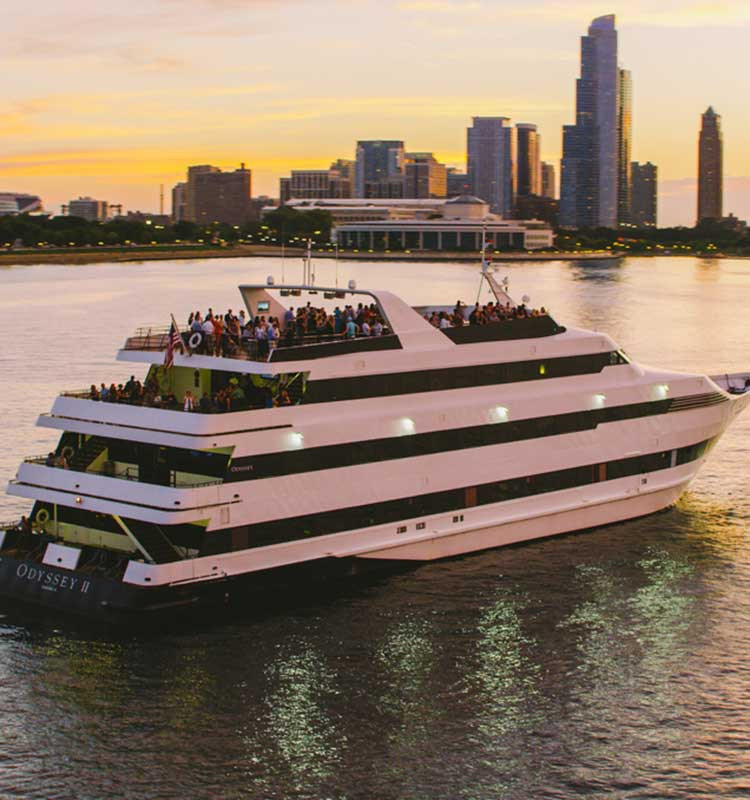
(152, 540)
(82, 459)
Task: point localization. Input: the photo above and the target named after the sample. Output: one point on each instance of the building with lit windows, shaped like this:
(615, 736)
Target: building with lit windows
(465, 222)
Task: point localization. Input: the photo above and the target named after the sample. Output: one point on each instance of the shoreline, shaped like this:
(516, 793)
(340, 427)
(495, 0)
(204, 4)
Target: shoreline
(123, 255)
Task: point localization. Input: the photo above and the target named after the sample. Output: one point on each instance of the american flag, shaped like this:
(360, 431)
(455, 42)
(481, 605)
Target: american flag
(175, 340)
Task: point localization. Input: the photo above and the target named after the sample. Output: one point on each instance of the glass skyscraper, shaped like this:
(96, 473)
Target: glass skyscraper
(528, 163)
(590, 147)
(490, 162)
(379, 171)
(624, 139)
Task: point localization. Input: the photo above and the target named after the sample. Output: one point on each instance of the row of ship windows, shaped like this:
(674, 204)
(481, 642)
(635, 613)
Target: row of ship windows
(320, 524)
(313, 459)
(434, 380)
(323, 523)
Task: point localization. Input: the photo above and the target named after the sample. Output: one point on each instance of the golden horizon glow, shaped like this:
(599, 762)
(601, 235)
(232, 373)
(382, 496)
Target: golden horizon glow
(112, 101)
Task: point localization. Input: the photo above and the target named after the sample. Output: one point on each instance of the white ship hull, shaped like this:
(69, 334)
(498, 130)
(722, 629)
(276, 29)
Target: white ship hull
(431, 450)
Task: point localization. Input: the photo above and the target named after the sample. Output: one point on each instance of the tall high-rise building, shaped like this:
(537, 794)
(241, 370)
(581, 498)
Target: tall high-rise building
(528, 162)
(624, 138)
(490, 162)
(548, 180)
(588, 195)
(425, 176)
(216, 196)
(192, 173)
(710, 167)
(643, 207)
(380, 169)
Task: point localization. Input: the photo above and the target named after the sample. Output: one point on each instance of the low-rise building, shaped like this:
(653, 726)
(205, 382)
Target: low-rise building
(463, 223)
(89, 209)
(18, 203)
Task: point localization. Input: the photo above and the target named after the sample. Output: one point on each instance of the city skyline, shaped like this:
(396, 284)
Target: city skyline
(99, 103)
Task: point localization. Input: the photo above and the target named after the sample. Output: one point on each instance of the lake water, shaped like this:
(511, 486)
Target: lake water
(610, 664)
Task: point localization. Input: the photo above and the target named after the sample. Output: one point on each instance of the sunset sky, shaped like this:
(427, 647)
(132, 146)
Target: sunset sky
(111, 99)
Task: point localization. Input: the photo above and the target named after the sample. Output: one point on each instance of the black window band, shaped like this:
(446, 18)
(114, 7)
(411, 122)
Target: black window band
(437, 380)
(313, 459)
(324, 523)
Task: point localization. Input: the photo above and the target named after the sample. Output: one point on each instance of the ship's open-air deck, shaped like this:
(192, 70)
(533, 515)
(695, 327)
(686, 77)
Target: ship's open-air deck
(128, 472)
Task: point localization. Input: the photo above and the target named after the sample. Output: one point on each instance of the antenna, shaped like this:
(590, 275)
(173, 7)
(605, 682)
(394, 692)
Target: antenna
(161, 199)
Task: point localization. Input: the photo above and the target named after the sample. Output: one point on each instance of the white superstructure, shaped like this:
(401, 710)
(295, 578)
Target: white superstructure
(415, 445)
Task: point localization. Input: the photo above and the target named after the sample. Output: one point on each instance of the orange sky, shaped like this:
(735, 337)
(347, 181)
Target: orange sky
(112, 99)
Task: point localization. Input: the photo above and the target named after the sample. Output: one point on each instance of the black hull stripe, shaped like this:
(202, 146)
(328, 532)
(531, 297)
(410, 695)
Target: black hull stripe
(435, 380)
(325, 523)
(313, 459)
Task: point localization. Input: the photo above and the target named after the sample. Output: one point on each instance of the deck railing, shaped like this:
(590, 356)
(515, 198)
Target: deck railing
(129, 474)
(155, 339)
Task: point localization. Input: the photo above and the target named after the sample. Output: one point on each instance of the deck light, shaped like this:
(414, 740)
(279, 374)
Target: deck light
(406, 426)
(500, 414)
(296, 439)
(598, 400)
(660, 391)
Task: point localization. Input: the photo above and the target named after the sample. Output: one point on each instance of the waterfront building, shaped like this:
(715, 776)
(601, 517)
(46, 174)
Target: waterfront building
(588, 195)
(87, 208)
(218, 196)
(548, 180)
(12, 203)
(624, 139)
(364, 210)
(457, 182)
(179, 202)
(379, 171)
(462, 223)
(644, 183)
(528, 163)
(490, 163)
(424, 176)
(710, 167)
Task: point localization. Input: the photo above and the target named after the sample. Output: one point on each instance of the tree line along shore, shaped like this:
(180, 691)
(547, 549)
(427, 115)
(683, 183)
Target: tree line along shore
(26, 239)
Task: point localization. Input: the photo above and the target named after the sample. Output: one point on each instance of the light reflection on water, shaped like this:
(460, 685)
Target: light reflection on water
(613, 663)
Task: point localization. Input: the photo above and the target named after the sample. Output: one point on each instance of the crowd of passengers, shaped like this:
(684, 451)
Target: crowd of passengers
(239, 394)
(230, 333)
(482, 315)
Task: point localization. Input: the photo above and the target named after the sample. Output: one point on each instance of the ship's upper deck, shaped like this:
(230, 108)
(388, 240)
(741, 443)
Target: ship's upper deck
(293, 323)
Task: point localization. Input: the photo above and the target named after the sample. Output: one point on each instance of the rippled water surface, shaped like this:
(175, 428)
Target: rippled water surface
(610, 664)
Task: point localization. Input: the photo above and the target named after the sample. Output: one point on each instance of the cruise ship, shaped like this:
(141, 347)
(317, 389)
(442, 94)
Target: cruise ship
(248, 462)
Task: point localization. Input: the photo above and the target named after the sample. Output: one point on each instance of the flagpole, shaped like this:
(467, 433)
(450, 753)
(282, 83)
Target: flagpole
(484, 259)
